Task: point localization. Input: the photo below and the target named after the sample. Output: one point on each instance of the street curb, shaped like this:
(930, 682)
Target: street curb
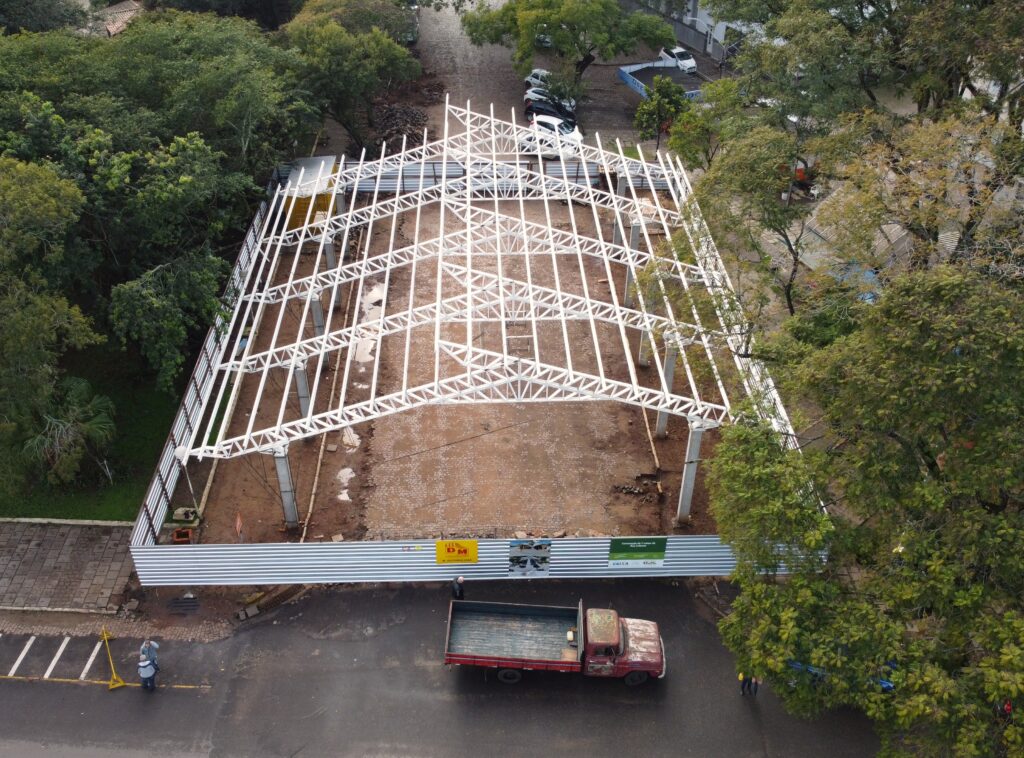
(65, 522)
(38, 609)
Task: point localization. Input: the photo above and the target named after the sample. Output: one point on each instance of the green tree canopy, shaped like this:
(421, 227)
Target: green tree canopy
(665, 102)
(700, 132)
(924, 585)
(167, 75)
(393, 17)
(580, 30)
(349, 70)
(39, 15)
(842, 53)
(749, 187)
(948, 183)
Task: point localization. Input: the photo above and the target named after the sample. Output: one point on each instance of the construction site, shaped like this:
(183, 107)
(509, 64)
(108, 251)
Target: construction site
(466, 340)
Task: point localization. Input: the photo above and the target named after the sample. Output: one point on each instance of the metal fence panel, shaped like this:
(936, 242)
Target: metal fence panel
(330, 562)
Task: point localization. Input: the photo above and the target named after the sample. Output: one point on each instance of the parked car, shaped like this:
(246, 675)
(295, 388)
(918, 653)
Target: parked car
(542, 38)
(539, 77)
(535, 94)
(681, 58)
(544, 108)
(551, 137)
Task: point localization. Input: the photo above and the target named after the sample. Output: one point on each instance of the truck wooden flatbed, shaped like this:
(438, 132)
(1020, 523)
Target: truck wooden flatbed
(512, 638)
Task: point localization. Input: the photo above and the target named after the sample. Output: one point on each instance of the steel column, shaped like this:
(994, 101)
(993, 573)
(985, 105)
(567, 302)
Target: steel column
(287, 486)
(634, 242)
(661, 430)
(301, 386)
(642, 359)
(689, 471)
(316, 310)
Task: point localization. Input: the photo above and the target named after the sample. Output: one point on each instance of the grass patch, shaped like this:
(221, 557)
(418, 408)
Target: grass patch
(143, 418)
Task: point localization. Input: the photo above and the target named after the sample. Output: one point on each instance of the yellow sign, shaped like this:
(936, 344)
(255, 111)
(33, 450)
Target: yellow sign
(456, 551)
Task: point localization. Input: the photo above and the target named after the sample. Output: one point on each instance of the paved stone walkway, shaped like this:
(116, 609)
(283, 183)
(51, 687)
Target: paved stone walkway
(63, 565)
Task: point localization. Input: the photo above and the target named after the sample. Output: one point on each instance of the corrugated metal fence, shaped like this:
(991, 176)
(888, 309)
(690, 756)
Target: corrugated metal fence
(331, 562)
(626, 75)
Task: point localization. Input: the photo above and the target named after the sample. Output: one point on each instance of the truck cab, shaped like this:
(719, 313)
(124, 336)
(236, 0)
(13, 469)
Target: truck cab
(629, 649)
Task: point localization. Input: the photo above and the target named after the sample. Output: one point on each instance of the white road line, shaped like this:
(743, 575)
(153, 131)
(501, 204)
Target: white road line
(92, 658)
(21, 657)
(56, 658)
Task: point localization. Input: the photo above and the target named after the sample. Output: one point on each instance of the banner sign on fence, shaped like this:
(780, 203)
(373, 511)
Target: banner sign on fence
(456, 551)
(638, 552)
(529, 557)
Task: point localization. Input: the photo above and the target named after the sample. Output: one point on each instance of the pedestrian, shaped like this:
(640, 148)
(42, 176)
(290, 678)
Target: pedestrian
(147, 673)
(754, 684)
(148, 650)
(457, 591)
(745, 683)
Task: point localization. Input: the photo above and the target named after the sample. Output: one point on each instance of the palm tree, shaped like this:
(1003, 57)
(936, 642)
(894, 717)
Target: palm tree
(83, 423)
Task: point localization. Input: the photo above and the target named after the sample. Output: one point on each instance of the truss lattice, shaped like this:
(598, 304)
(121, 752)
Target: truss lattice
(463, 271)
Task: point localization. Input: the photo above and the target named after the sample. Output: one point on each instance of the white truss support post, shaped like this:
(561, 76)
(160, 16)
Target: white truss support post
(301, 386)
(661, 430)
(287, 486)
(689, 471)
(642, 358)
(316, 310)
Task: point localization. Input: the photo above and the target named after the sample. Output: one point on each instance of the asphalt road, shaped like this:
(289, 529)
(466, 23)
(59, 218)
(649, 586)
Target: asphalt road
(357, 672)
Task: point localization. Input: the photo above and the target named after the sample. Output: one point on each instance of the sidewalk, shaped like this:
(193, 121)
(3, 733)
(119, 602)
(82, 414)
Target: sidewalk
(63, 566)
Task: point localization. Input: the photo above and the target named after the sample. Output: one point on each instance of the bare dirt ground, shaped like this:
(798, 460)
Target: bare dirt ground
(454, 469)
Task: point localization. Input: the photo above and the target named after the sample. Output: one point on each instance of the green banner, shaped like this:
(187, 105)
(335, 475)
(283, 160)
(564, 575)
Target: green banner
(637, 551)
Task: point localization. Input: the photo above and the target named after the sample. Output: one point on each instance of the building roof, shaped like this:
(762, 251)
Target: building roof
(115, 18)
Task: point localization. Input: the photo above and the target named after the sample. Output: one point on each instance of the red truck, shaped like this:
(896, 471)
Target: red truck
(513, 638)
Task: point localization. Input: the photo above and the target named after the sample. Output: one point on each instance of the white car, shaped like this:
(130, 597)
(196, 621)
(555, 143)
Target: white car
(537, 78)
(682, 59)
(539, 93)
(552, 138)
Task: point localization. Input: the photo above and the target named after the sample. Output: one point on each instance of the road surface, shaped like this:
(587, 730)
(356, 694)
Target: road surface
(357, 672)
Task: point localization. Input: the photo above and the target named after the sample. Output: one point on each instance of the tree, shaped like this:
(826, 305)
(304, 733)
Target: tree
(665, 102)
(840, 53)
(270, 14)
(176, 199)
(39, 15)
(35, 329)
(161, 307)
(170, 74)
(82, 424)
(580, 30)
(947, 183)
(699, 133)
(750, 187)
(349, 70)
(393, 17)
(764, 502)
(924, 583)
(37, 207)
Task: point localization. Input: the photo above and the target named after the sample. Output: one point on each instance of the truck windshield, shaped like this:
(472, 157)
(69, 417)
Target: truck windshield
(624, 640)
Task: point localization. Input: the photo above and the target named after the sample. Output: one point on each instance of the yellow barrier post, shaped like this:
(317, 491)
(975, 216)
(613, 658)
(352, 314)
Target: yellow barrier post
(115, 680)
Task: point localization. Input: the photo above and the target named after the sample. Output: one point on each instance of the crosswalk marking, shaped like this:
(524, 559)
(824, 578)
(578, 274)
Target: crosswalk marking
(56, 658)
(88, 664)
(21, 657)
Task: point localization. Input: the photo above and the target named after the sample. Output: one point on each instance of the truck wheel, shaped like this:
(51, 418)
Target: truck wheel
(633, 678)
(509, 676)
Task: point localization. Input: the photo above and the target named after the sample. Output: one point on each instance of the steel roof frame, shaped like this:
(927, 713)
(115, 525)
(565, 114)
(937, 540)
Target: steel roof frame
(468, 265)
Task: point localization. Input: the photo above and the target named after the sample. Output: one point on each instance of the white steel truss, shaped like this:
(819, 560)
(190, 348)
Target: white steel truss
(469, 271)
